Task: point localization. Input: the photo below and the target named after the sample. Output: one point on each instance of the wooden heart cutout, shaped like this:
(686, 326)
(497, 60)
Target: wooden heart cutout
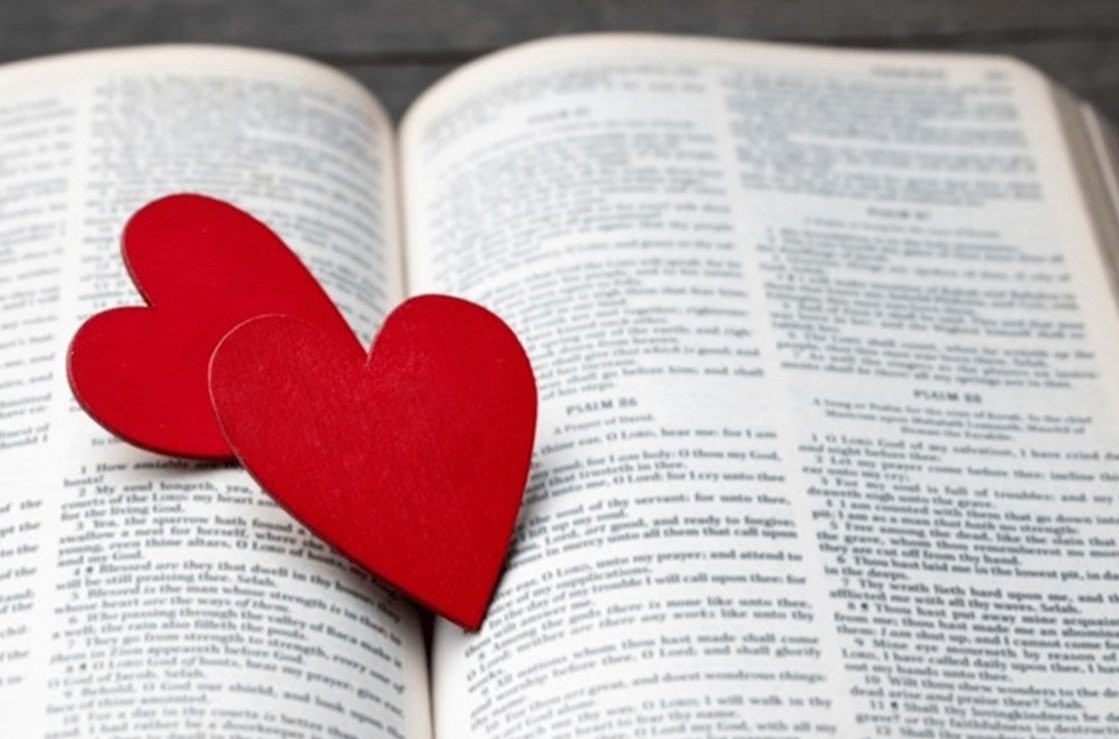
(203, 267)
(412, 460)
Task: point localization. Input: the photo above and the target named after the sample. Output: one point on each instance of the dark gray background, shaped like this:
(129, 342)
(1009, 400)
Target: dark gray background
(399, 48)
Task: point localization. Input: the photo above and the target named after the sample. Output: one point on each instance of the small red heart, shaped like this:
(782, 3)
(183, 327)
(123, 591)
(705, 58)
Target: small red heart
(412, 461)
(203, 267)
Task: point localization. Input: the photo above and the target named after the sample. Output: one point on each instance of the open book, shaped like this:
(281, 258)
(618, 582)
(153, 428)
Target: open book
(828, 359)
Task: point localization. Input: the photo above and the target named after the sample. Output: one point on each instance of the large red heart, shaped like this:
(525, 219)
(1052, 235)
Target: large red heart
(412, 461)
(203, 267)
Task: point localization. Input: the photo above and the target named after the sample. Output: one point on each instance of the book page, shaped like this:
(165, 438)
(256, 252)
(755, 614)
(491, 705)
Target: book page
(142, 595)
(1099, 161)
(826, 359)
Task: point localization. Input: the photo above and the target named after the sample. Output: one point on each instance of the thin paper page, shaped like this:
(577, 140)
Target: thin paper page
(822, 346)
(146, 595)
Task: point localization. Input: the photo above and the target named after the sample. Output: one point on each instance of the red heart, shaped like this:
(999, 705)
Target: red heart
(412, 461)
(203, 267)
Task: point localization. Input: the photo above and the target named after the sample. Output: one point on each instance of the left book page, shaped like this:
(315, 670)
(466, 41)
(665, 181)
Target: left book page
(142, 595)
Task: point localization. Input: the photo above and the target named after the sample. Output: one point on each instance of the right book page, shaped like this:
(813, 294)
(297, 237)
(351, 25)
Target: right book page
(828, 409)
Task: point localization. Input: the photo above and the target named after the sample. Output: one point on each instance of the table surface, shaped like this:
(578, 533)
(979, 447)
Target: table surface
(399, 48)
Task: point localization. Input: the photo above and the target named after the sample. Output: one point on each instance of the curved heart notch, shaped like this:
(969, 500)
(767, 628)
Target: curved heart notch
(412, 461)
(203, 267)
